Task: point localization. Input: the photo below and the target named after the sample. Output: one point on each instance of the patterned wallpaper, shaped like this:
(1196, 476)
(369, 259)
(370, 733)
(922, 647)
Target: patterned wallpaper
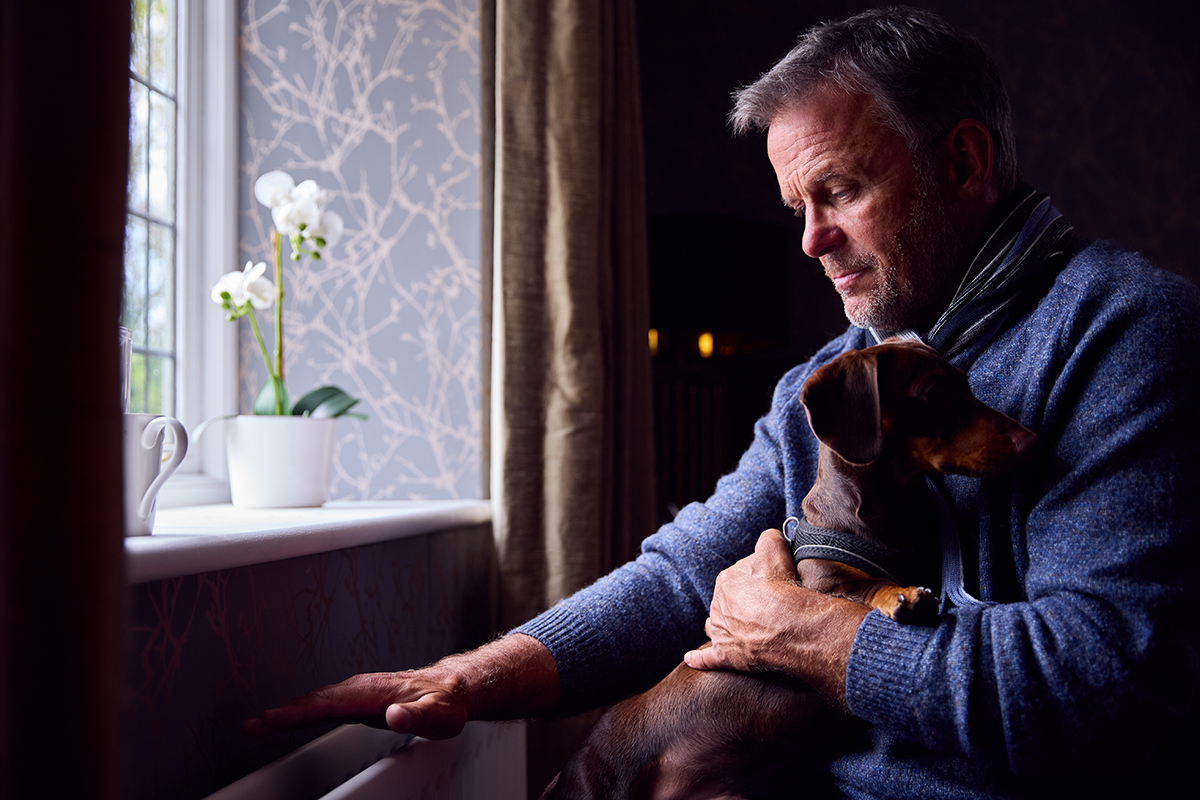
(379, 102)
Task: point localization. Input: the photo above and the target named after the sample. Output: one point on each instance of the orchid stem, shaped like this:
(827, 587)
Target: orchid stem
(262, 346)
(277, 245)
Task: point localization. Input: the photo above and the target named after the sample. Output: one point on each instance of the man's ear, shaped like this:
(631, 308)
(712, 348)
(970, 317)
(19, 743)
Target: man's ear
(842, 402)
(968, 148)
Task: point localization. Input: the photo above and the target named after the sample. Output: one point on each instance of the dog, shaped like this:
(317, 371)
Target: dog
(884, 417)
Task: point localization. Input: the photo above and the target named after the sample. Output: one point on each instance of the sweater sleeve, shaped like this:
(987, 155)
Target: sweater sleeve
(1095, 660)
(630, 628)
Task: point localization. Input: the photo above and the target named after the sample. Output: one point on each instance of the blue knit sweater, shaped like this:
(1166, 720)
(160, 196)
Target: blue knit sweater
(1083, 667)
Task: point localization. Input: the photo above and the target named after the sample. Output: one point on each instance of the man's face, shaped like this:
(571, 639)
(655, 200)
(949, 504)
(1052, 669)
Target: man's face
(887, 236)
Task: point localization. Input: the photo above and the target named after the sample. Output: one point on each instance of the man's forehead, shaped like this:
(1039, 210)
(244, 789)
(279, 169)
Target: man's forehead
(830, 133)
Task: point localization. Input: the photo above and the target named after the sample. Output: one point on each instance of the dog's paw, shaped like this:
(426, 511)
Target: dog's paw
(914, 605)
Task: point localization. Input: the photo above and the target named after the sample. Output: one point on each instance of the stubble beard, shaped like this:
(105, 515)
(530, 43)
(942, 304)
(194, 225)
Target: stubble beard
(925, 257)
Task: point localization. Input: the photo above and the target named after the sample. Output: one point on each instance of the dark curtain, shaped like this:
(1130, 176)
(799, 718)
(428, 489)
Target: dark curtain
(63, 151)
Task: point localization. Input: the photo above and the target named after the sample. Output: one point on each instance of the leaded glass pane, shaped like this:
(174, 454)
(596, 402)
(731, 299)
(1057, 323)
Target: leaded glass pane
(139, 53)
(162, 158)
(138, 403)
(133, 306)
(139, 147)
(162, 45)
(160, 289)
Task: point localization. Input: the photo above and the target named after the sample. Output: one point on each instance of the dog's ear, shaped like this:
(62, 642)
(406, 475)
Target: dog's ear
(842, 401)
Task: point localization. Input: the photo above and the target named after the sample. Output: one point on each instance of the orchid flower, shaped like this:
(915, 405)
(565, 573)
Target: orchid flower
(296, 216)
(327, 232)
(299, 213)
(247, 286)
(273, 188)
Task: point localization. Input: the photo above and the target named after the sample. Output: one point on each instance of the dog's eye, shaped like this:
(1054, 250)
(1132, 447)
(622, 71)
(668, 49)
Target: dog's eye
(935, 393)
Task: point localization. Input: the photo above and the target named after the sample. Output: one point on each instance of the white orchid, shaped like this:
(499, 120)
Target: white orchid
(299, 213)
(327, 232)
(310, 191)
(273, 188)
(247, 286)
(296, 217)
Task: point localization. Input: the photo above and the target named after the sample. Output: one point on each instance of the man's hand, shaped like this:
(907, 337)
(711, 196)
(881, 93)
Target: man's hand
(762, 620)
(509, 678)
(426, 702)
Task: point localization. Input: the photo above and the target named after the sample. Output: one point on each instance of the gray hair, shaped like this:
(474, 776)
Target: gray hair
(925, 76)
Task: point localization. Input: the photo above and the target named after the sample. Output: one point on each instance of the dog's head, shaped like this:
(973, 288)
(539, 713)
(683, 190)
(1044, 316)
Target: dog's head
(903, 401)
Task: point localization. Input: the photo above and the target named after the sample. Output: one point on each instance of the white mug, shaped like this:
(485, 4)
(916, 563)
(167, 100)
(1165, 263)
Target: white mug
(145, 472)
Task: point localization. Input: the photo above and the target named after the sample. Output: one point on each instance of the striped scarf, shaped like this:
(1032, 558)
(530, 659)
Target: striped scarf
(1012, 258)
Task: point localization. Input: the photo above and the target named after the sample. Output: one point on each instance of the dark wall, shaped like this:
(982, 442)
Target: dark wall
(1104, 95)
(207, 651)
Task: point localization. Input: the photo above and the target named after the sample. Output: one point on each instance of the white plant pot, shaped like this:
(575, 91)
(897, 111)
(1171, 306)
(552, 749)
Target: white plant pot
(280, 462)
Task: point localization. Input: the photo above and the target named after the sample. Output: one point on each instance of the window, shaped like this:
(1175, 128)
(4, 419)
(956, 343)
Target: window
(430, 270)
(148, 307)
(181, 225)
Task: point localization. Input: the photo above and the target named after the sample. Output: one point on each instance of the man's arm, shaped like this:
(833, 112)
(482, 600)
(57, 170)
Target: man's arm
(633, 626)
(614, 637)
(510, 678)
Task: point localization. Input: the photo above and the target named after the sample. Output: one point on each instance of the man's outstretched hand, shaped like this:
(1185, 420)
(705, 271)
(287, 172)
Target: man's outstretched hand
(423, 702)
(510, 678)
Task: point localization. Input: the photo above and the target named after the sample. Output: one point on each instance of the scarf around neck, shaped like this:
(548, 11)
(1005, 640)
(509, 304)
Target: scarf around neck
(1030, 233)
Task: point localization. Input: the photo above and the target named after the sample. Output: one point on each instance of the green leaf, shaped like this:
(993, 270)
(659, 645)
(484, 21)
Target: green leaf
(326, 401)
(265, 404)
(309, 402)
(336, 406)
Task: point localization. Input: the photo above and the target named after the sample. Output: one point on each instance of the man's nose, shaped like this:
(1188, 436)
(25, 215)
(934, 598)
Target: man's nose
(820, 233)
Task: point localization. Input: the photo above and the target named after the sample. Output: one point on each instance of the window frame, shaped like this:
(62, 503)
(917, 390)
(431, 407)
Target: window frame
(206, 246)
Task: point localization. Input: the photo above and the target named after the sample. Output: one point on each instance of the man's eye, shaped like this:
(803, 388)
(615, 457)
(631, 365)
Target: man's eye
(842, 195)
(798, 212)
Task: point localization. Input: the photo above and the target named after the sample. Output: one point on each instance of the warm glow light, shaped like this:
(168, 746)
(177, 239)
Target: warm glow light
(706, 344)
(653, 342)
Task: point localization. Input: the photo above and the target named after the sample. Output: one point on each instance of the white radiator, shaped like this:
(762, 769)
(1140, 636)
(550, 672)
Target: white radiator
(354, 762)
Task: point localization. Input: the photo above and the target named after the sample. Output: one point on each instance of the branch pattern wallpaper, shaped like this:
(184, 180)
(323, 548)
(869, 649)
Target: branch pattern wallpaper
(379, 102)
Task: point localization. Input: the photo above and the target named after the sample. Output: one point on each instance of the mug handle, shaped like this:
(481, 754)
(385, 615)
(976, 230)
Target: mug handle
(153, 430)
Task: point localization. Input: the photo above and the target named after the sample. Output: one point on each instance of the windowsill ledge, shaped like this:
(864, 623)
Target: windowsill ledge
(195, 539)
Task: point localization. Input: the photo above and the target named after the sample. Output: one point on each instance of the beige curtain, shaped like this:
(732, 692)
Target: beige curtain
(571, 390)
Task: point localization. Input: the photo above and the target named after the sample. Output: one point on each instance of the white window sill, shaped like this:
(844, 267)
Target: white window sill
(198, 539)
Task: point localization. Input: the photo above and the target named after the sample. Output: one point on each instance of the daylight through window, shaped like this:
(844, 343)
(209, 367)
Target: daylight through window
(148, 305)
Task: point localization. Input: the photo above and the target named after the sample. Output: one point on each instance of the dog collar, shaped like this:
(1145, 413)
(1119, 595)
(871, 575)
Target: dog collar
(809, 541)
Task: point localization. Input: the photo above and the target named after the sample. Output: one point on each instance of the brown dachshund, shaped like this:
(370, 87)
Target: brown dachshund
(884, 416)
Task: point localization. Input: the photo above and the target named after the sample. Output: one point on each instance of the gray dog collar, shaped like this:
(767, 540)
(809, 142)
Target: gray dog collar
(809, 541)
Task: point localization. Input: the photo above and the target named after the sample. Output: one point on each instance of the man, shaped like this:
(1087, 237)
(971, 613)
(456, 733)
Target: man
(1067, 656)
